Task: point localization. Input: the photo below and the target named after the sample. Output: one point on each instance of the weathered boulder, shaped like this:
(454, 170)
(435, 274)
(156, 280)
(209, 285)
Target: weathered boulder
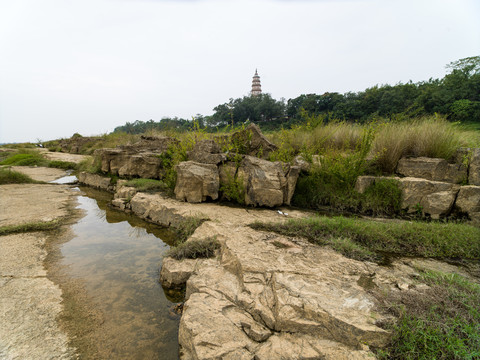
(96, 181)
(265, 182)
(432, 169)
(175, 273)
(254, 142)
(196, 181)
(468, 200)
(474, 168)
(125, 192)
(430, 197)
(207, 152)
(364, 182)
(156, 144)
(144, 165)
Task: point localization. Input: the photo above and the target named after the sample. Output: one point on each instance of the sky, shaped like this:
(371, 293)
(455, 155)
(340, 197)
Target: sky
(87, 66)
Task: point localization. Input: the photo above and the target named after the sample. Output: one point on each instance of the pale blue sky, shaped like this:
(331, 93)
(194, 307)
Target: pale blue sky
(88, 66)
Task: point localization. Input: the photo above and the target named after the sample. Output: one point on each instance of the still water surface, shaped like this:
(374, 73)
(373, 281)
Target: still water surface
(117, 257)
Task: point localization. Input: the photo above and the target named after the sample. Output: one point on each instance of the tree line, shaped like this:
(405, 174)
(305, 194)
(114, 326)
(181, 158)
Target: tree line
(456, 95)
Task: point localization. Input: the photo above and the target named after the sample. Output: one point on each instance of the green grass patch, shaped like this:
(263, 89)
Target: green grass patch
(33, 158)
(8, 176)
(186, 228)
(66, 165)
(434, 239)
(30, 158)
(29, 227)
(194, 249)
(147, 185)
(442, 322)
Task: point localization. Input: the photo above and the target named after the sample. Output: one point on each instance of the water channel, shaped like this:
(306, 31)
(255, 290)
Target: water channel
(117, 257)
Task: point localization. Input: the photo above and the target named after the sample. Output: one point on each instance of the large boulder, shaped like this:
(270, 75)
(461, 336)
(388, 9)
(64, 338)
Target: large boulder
(144, 165)
(434, 198)
(196, 182)
(432, 169)
(265, 183)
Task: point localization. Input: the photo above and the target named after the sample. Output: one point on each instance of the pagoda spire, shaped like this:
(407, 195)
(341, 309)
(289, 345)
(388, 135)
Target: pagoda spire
(256, 87)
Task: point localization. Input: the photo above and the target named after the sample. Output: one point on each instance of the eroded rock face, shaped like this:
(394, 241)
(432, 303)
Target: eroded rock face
(268, 302)
(432, 169)
(96, 181)
(430, 197)
(196, 182)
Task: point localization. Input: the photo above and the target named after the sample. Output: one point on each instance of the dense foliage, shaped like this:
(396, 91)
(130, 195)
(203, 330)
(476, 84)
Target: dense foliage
(457, 95)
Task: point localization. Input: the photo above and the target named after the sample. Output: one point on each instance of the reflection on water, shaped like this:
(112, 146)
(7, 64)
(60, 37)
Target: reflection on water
(118, 256)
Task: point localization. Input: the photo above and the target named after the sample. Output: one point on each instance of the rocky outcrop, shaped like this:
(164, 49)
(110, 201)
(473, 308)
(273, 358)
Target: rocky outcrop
(142, 159)
(432, 169)
(196, 182)
(259, 300)
(96, 181)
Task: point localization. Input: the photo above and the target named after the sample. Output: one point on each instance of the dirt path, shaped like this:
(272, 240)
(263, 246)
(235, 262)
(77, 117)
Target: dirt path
(30, 303)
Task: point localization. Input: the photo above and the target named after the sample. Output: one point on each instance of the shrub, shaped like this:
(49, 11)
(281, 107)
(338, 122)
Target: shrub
(194, 249)
(30, 158)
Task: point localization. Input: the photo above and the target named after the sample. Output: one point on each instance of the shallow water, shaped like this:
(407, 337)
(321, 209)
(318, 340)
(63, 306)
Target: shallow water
(117, 257)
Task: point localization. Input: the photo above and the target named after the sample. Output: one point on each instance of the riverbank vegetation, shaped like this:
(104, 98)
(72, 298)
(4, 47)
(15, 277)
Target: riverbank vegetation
(441, 322)
(29, 227)
(371, 239)
(29, 157)
(9, 176)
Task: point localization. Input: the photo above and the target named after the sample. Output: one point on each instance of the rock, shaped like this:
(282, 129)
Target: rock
(175, 273)
(144, 165)
(364, 182)
(265, 182)
(292, 177)
(438, 204)
(119, 203)
(432, 169)
(157, 209)
(125, 192)
(96, 181)
(302, 163)
(196, 182)
(207, 152)
(255, 143)
(468, 200)
(418, 195)
(474, 168)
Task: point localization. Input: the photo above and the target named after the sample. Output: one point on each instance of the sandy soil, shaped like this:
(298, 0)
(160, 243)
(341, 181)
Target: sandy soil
(31, 302)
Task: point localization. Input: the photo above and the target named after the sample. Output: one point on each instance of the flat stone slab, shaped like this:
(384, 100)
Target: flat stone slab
(40, 173)
(22, 255)
(27, 203)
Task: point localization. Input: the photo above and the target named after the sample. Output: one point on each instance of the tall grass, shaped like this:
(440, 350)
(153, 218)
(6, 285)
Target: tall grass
(8, 176)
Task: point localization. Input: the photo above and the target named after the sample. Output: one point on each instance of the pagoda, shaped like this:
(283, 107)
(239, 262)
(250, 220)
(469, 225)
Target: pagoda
(256, 87)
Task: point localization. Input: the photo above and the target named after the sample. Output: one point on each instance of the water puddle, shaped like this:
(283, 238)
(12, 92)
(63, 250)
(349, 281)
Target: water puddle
(65, 180)
(117, 257)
